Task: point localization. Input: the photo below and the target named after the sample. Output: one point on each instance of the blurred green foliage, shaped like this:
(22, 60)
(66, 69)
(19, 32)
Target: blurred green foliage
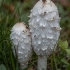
(13, 11)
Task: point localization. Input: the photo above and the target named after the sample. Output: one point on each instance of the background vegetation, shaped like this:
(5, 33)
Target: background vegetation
(12, 11)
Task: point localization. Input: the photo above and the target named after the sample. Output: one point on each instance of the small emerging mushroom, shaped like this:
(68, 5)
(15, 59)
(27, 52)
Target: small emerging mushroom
(20, 37)
(45, 30)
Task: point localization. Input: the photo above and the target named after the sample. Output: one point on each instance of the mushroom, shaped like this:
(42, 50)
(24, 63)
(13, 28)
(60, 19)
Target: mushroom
(45, 30)
(21, 40)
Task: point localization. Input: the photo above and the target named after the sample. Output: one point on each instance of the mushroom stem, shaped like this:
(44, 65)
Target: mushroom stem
(23, 66)
(42, 63)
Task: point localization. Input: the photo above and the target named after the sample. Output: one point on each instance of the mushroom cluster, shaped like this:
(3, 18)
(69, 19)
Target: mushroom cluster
(44, 33)
(45, 30)
(20, 37)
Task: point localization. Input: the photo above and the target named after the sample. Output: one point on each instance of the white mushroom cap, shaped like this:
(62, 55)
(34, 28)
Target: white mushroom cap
(21, 40)
(44, 27)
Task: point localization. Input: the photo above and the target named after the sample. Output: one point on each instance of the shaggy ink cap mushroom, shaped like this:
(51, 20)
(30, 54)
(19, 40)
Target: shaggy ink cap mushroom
(44, 27)
(45, 30)
(21, 43)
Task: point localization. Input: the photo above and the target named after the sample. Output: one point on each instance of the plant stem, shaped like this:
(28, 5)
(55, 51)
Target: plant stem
(42, 63)
(52, 62)
(55, 61)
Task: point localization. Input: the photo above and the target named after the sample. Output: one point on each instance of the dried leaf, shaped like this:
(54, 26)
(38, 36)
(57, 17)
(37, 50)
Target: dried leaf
(9, 7)
(31, 68)
(65, 3)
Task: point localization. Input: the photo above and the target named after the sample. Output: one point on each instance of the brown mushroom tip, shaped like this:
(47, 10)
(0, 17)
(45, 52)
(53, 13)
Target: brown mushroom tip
(44, 1)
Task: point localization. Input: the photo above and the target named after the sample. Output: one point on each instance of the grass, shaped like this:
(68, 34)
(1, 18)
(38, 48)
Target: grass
(59, 60)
